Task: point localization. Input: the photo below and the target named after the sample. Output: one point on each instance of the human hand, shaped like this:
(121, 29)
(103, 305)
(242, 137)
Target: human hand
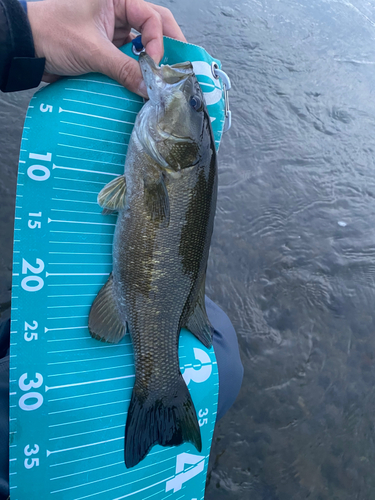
(82, 36)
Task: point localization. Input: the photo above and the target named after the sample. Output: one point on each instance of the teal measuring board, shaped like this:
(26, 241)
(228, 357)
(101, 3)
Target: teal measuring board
(69, 393)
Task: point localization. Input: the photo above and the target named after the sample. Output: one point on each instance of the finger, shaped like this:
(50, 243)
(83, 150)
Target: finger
(120, 40)
(125, 70)
(147, 21)
(49, 78)
(170, 26)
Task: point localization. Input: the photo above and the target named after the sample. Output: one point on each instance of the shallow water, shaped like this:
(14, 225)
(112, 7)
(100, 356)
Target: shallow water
(293, 255)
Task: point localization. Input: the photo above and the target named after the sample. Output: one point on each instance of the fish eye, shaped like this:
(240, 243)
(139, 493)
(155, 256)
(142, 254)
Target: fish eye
(195, 102)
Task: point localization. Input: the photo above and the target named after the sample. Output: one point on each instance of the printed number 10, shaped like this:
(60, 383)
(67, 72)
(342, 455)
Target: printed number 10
(39, 172)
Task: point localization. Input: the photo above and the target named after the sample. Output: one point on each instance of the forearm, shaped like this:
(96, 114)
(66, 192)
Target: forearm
(19, 69)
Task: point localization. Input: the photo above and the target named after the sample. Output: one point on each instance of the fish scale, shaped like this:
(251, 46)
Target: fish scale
(69, 393)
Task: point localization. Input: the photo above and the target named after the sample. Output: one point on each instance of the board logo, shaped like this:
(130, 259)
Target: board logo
(215, 94)
(198, 372)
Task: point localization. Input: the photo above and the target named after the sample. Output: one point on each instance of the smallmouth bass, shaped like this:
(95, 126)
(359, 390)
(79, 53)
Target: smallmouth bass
(166, 202)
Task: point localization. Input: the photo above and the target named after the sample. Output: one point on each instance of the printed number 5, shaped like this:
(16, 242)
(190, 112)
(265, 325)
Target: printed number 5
(203, 373)
(30, 465)
(45, 107)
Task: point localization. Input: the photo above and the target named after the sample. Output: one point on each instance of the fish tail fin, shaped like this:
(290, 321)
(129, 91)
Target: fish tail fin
(168, 420)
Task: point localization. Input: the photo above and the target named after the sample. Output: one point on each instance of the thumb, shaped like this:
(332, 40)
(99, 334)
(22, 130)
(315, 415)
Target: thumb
(112, 62)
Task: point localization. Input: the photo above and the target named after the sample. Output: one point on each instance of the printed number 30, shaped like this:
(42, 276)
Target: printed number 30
(31, 385)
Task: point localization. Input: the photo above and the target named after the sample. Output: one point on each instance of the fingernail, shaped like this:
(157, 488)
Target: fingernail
(142, 89)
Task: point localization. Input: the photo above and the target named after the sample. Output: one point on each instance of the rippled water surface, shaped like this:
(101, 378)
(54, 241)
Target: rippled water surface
(293, 254)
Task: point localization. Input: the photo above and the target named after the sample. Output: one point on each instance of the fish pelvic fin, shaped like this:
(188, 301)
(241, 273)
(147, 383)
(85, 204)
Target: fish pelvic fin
(198, 323)
(112, 197)
(157, 199)
(168, 420)
(104, 321)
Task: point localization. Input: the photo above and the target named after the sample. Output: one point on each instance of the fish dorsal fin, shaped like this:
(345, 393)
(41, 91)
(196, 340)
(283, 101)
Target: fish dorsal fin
(198, 322)
(104, 321)
(157, 199)
(112, 197)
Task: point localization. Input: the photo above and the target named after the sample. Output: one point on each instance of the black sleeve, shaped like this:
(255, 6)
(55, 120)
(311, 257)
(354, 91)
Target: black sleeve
(19, 68)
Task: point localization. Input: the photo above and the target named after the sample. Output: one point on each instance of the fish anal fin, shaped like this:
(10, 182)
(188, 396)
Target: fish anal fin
(112, 197)
(104, 321)
(157, 199)
(168, 420)
(198, 323)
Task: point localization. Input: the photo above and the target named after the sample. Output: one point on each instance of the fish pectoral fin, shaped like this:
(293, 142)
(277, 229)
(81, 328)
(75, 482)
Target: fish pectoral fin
(157, 199)
(104, 321)
(112, 197)
(198, 323)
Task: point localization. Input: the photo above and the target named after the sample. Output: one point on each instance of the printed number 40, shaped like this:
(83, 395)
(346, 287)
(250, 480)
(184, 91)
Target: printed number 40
(182, 476)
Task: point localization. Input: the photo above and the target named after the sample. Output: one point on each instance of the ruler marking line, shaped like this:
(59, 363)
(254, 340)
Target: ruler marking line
(92, 406)
(96, 128)
(100, 117)
(89, 382)
(90, 359)
(86, 181)
(87, 371)
(87, 394)
(87, 458)
(133, 492)
(87, 159)
(82, 222)
(105, 95)
(85, 169)
(88, 419)
(87, 432)
(86, 471)
(94, 139)
(83, 446)
(90, 149)
(100, 105)
(76, 253)
(89, 348)
(74, 211)
(120, 486)
(75, 201)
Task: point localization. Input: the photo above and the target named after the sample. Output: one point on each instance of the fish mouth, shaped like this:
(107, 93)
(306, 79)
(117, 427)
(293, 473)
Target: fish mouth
(158, 78)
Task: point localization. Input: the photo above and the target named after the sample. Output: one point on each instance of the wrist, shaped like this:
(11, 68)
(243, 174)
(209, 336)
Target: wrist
(34, 14)
(19, 69)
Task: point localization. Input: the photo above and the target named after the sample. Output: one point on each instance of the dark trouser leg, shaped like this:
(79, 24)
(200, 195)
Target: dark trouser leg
(228, 357)
(4, 409)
